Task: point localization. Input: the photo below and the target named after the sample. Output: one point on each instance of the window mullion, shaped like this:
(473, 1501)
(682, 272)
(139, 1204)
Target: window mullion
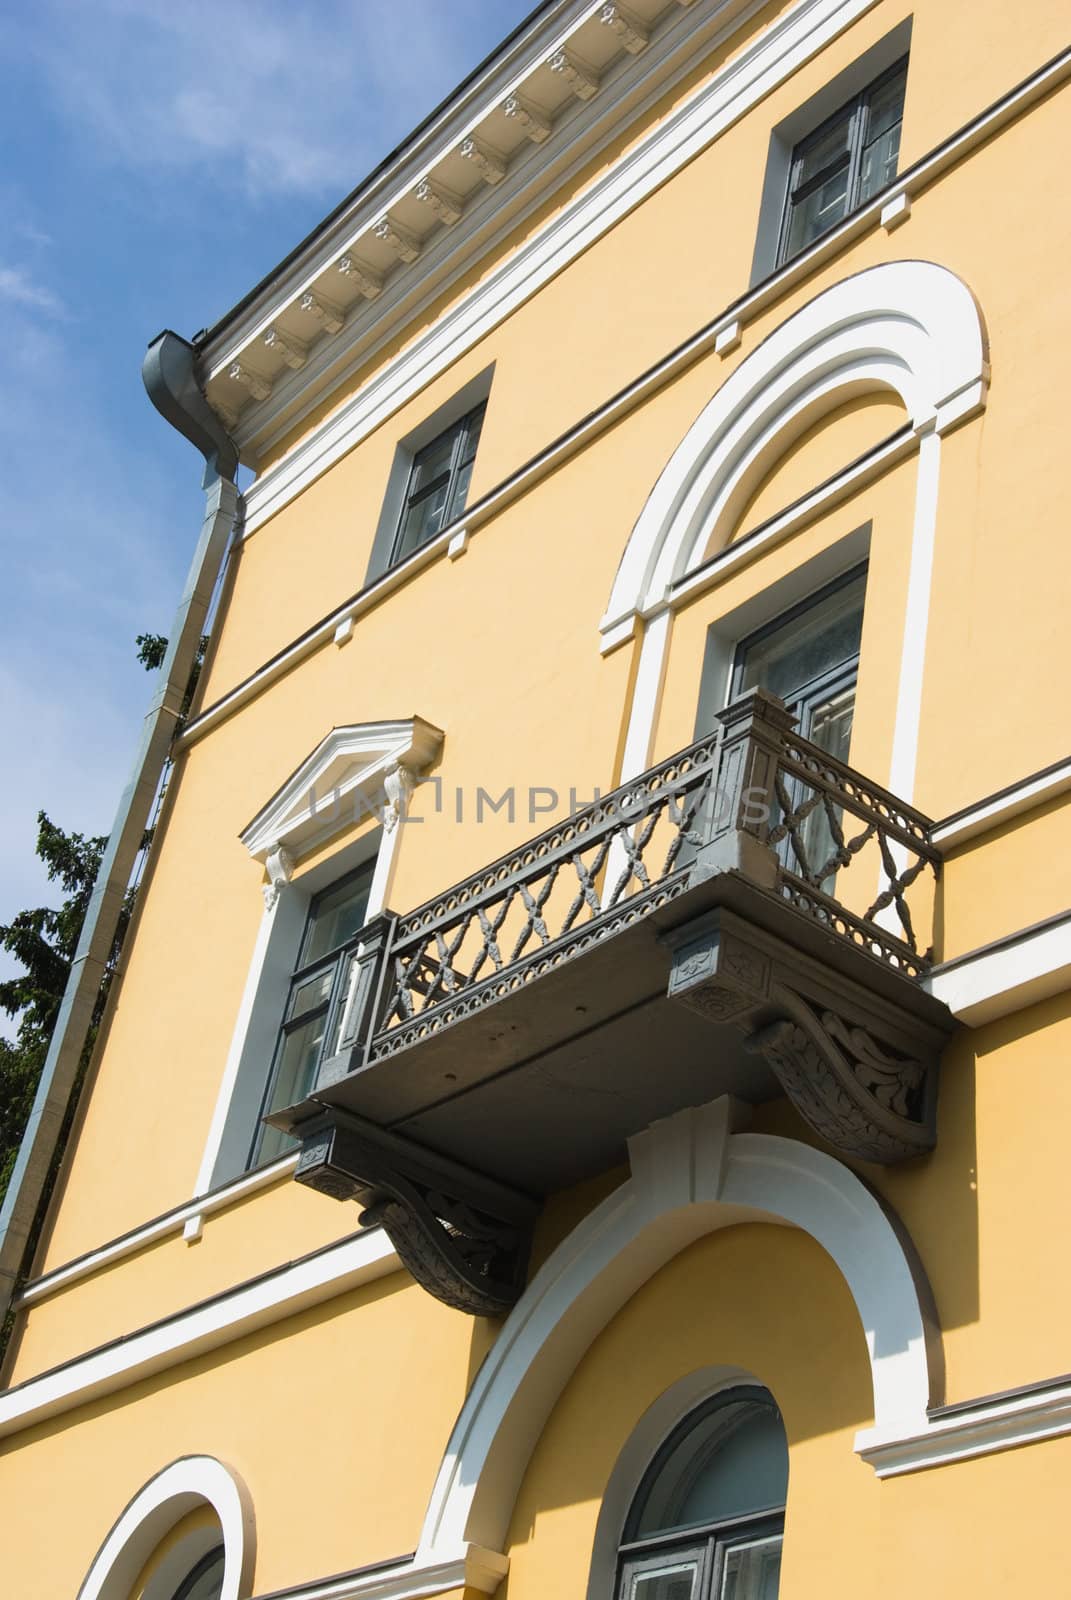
(855, 152)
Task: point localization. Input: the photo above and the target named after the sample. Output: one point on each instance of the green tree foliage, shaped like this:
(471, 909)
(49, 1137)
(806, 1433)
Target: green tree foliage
(43, 941)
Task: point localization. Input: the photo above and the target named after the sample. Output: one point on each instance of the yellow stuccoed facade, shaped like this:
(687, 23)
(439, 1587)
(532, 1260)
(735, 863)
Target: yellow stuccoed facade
(204, 1353)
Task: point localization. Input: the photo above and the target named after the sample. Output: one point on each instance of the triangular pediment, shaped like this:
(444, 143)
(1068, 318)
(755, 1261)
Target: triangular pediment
(342, 780)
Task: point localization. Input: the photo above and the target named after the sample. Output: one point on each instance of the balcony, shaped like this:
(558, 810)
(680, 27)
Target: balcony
(750, 917)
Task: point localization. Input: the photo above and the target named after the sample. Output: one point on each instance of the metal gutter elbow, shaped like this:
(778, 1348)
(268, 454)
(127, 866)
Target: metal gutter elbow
(168, 373)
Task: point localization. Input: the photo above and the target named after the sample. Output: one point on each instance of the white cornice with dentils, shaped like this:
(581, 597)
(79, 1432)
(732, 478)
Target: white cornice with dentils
(766, 61)
(531, 175)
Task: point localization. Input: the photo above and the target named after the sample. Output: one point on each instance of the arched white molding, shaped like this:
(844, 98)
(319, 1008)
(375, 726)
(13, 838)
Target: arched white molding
(907, 326)
(184, 1486)
(691, 1174)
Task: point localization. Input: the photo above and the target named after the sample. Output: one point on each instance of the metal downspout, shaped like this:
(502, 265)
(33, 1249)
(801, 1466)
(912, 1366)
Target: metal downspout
(169, 375)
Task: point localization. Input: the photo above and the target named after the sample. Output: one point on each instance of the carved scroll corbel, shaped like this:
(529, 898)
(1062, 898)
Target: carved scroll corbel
(865, 1099)
(398, 784)
(279, 867)
(464, 1237)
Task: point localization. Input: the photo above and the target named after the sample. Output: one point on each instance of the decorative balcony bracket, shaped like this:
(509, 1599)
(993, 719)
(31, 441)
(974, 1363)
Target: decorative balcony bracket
(862, 1070)
(463, 1237)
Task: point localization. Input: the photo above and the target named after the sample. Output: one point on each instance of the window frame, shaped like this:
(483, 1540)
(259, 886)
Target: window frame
(210, 1559)
(462, 429)
(856, 113)
(338, 959)
(707, 1543)
(830, 681)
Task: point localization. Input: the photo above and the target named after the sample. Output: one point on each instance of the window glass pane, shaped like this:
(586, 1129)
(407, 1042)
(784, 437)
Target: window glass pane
(828, 724)
(886, 106)
(831, 723)
(808, 646)
(673, 1582)
(752, 1571)
(826, 149)
(299, 1052)
(473, 427)
(422, 521)
(337, 915)
(879, 162)
(733, 1460)
(432, 462)
(205, 1582)
(817, 212)
(313, 992)
(459, 492)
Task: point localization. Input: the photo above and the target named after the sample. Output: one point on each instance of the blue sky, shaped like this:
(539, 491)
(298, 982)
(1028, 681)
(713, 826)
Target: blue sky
(161, 159)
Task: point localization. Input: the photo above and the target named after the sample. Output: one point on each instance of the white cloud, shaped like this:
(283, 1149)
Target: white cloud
(278, 97)
(17, 285)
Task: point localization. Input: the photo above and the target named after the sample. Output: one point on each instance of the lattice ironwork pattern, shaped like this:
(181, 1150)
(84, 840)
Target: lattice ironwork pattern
(620, 858)
(826, 818)
(577, 883)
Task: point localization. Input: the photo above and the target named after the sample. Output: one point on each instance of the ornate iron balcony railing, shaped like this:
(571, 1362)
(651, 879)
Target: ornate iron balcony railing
(508, 1035)
(620, 857)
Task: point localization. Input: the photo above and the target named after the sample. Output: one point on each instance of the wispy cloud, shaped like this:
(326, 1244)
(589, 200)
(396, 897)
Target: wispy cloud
(280, 97)
(17, 285)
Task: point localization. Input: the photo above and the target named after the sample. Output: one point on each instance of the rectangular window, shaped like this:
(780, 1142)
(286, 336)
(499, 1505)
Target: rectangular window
(843, 162)
(809, 656)
(438, 484)
(314, 1007)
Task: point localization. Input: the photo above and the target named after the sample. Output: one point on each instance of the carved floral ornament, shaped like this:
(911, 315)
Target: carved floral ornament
(362, 769)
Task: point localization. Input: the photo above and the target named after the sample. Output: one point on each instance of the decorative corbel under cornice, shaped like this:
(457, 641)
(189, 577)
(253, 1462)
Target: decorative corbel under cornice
(259, 388)
(537, 127)
(490, 165)
(446, 205)
(369, 283)
(406, 246)
(292, 351)
(330, 318)
(634, 35)
(582, 80)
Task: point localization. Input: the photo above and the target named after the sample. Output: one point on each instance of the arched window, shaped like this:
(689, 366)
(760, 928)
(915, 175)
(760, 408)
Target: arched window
(205, 1581)
(708, 1518)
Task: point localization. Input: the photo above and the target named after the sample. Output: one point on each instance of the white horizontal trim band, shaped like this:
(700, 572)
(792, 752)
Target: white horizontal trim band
(1021, 970)
(166, 1344)
(472, 1568)
(1004, 807)
(159, 1228)
(980, 1429)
